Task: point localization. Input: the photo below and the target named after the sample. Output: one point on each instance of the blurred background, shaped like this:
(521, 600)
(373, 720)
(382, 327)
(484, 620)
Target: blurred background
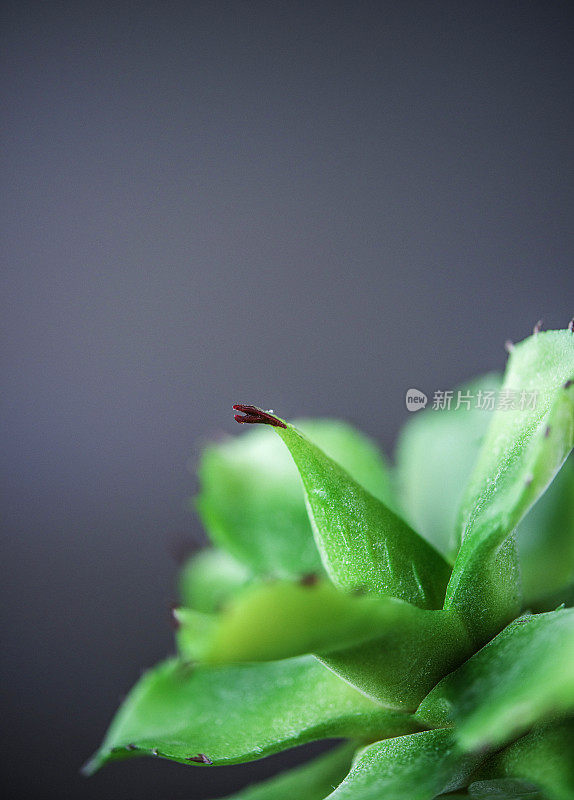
(308, 206)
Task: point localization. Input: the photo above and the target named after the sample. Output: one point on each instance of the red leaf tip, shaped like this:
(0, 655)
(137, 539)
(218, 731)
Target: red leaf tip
(254, 415)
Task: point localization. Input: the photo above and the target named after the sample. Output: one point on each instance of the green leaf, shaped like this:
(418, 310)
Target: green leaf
(387, 648)
(417, 767)
(435, 454)
(522, 451)
(521, 677)
(240, 713)
(312, 781)
(545, 539)
(252, 503)
(545, 758)
(210, 578)
(363, 544)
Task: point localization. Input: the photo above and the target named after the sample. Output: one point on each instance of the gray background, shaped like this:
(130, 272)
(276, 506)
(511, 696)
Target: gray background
(309, 206)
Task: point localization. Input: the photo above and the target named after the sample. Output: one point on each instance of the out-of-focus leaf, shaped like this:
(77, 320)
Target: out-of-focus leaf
(228, 715)
(270, 621)
(523, 676)
(252, 503)
(545, 758)
(559, 599)
(545, 539)
(195, 632)
(312, 781)
(389, 649)
(522, 451)
(417, 767)
(363, 544)
(210, 578)
(435, 454)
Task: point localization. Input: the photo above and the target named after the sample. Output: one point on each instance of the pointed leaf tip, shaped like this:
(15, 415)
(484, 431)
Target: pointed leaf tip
(254, 415)
(253, 505)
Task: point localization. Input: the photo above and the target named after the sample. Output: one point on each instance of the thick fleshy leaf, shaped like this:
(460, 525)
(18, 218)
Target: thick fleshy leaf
(384, 646)
(210, 578)
(313, 781)
(435, 455)
(363, 544)
(490, 596)
(401, 665)
(417, 767)
(523, 676)
(228, 715)
(545, 540)
(503, 789)
(545, 758)
(522, 451)
(251, 500)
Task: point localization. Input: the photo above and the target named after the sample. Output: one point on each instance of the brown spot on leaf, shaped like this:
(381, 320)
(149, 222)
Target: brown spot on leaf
(200, 758)
(173, 618)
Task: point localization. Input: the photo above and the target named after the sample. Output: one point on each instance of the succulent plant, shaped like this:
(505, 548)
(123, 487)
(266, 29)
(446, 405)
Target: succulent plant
(419, 613)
